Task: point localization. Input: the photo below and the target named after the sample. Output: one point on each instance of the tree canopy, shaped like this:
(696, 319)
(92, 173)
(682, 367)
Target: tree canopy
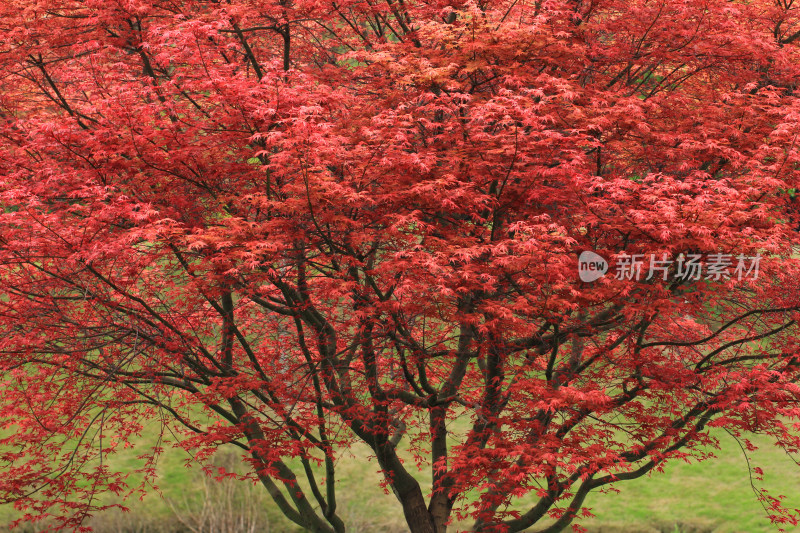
(289, 225)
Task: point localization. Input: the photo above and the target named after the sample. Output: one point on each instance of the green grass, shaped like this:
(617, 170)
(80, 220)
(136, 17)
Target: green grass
(711, 496)
(715, 492)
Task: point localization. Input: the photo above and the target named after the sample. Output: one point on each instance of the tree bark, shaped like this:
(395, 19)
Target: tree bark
(416, 512)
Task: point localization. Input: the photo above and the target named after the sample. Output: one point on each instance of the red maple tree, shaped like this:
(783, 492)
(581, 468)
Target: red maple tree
(290, 225)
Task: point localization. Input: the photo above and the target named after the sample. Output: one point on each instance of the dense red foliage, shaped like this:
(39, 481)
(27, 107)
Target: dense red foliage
(291, 224)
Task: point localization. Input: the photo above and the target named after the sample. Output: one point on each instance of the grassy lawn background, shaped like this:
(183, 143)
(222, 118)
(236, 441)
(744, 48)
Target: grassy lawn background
(710, 496)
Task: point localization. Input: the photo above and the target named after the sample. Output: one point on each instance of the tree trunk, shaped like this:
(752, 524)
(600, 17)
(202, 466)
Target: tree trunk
(416, 512)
